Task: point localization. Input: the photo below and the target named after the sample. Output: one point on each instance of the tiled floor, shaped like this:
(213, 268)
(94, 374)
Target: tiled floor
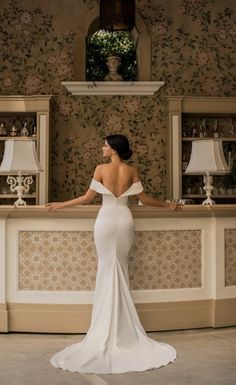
(205, 357)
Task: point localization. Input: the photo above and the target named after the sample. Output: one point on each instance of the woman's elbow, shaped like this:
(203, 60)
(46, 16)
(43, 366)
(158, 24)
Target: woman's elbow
(144, 199)
(87, 198)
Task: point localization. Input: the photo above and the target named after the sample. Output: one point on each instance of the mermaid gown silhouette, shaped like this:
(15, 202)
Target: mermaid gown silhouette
(116, 341)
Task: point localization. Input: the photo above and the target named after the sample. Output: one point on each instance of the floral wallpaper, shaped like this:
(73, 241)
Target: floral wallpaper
(193, 51)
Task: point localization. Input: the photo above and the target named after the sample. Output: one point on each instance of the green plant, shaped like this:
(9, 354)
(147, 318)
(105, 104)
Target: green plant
(103, 44)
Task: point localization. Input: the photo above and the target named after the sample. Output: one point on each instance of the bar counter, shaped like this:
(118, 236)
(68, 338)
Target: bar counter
(182, 267)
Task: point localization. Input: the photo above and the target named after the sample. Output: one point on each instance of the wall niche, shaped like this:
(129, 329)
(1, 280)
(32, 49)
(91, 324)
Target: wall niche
(140, 35)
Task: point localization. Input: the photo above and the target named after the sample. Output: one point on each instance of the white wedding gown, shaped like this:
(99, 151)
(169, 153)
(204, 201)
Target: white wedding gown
(116, 341)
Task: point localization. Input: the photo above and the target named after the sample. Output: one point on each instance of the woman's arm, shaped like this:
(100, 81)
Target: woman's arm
(150, 201)
(82, 200)
(86, 198)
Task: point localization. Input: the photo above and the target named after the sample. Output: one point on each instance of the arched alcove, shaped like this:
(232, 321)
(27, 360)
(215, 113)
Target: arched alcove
(119, 47)
(89, 24)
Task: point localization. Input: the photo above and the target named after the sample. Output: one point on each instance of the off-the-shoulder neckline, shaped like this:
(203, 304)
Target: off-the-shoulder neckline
(97, 181)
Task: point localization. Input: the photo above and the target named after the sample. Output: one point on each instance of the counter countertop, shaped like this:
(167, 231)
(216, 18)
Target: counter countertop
(90, 211)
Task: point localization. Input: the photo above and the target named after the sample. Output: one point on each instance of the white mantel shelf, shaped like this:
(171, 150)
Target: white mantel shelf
(113, 88)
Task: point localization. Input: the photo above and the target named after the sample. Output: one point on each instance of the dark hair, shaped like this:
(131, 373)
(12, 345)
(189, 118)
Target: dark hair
(120, 144)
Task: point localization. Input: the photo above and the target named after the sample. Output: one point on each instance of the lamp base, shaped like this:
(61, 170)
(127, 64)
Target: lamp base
(208, 201)
(21, 185)
(20, 202)
(208, 187)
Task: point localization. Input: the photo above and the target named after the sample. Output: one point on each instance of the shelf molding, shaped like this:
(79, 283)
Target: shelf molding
(112, 88)
(10, 196)
(4, 138)
(224, 139)
(190, 196)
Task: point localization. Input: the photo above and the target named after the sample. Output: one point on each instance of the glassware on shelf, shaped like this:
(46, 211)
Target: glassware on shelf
(216, 133)
(229, 153)
(13, 131)
(34, 131)
(24, 130)
(231, 128)
(201, 134)
(184, 132)
(189, 190)
(200, 191)
(221, 190)
(203, 123)
(3, 131)
(193, 130)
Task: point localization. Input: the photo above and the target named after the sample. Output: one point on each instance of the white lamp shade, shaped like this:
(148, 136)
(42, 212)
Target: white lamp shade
(207, 156)
(20, 155)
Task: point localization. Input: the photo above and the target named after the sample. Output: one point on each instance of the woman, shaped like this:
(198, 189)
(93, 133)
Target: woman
(116, 341)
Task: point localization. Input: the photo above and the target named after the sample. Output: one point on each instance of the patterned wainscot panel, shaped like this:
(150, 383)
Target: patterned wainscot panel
(66, 260)
(230, 257)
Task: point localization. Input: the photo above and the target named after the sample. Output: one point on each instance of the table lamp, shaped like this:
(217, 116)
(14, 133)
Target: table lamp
(207, 158)
(20, 158)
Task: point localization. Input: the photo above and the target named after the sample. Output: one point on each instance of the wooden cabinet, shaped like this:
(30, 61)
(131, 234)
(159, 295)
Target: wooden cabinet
(33, 113)
(193, 118)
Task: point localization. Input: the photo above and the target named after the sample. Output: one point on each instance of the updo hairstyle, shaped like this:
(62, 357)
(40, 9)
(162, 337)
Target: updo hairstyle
(120, 144)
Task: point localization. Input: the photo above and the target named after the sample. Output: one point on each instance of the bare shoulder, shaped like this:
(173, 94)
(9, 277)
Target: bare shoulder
(99, 171)
(100, 166)
(133, 173)
(134, 170)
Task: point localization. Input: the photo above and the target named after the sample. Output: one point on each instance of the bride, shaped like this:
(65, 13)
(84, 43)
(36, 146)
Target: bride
(116, 341)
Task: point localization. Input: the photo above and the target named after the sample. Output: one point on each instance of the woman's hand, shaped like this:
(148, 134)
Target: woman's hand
(53, 206)
(172, 205)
